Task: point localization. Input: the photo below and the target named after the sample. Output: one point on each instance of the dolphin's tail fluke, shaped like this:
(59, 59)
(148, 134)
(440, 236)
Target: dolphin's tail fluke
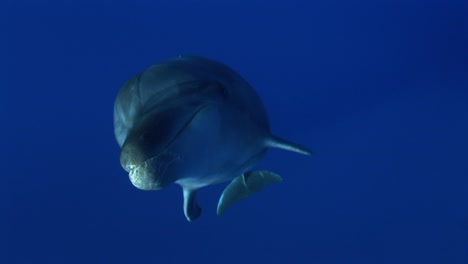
(277, 142)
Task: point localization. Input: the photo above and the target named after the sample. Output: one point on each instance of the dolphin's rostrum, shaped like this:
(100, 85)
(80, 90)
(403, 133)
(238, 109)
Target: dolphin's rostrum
(195, 122)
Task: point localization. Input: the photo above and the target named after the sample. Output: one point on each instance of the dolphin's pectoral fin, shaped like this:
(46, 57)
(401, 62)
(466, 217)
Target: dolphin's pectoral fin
(191, 208)
(245, 185)
(277, 142)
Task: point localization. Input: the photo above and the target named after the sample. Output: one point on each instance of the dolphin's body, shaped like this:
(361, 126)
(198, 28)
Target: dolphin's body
(195, 122)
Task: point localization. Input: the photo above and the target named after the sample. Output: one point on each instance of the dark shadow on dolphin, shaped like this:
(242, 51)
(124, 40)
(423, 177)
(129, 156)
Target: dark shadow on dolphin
(195, 122)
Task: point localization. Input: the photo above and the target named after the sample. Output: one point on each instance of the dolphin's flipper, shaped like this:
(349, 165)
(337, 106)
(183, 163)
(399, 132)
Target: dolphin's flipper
(245, 185)
(191, 208)
(277, 142)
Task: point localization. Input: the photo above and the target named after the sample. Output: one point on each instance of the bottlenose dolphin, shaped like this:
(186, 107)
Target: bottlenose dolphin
(195, 122)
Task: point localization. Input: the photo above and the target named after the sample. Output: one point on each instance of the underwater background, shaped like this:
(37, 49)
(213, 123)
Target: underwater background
(378, 89)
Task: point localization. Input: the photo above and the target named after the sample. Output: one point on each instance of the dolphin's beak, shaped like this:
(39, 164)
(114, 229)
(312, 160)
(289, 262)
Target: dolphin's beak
(145, 178)
(151, 174)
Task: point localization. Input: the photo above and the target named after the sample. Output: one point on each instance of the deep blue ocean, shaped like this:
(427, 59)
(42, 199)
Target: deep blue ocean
(377, 88)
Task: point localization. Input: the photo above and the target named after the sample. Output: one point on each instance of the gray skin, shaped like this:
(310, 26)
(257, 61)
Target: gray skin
(195, 122)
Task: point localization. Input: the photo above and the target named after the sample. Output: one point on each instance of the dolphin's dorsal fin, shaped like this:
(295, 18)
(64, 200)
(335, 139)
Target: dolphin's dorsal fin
(245, 185)
(277, 142)
(191, 208)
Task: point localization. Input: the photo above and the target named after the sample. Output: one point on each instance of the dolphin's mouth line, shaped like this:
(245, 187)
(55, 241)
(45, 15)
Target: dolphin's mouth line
(187, 122)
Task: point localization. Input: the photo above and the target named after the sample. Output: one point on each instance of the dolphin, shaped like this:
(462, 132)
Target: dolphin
(195, 122)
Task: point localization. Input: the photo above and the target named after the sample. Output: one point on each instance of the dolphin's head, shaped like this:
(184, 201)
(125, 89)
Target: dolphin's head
(147, 153)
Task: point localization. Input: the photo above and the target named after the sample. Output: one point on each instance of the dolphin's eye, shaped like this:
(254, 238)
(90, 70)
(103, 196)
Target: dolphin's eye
(224, 91)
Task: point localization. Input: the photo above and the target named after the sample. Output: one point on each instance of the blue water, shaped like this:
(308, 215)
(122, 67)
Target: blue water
(378, 89)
